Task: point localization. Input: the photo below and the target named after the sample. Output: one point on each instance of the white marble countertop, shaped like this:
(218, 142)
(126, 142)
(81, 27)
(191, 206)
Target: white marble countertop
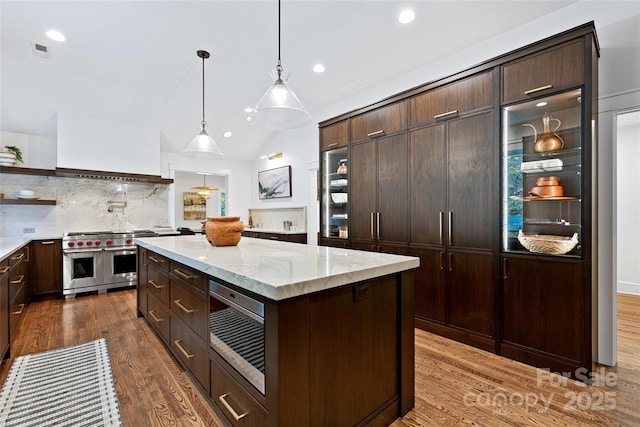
(278, 270)
(9, 245)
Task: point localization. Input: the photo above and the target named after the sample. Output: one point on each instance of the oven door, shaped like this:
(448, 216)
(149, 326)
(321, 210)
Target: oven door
(236, 325)
(81, 269)
(120, 266)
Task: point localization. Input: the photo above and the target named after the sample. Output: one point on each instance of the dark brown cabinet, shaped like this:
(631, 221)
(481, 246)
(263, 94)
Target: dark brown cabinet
(18, 286)
(544, 312)
(557, 68)
(335, 135)
(143, 283)
(283, 237)
(379, 191)
(380, 121)
(47, 267)
(4, 308)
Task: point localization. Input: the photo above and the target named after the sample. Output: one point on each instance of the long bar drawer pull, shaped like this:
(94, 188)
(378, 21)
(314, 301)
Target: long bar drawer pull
(48, 242)
(155, 285)
(182, 274)
(182, 307)
(442, 261)
(273, 237)
(450, 239)
(235, 415)
(441, 232)
(450, 261)
(156, 260)
(448, 113)
(18, 280)
(156, 318)
(335, 144)
(181, 348)
(17, 257)
(376, 133)
(538, 89)
(19, 311)
(372, 235)
(4, 269)
(505, 276)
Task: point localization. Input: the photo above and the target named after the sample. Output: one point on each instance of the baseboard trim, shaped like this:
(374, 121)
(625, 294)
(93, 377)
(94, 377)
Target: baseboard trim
(629, 288)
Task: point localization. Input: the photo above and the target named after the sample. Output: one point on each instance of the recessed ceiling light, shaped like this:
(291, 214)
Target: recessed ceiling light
(227, 134)
(318, 68)
(56, 35)
(406, 16)
(541, 104)
(248, 110)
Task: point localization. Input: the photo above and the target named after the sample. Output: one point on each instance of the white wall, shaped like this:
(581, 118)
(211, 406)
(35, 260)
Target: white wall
(628, 217)
(37, 151)
(183, 182)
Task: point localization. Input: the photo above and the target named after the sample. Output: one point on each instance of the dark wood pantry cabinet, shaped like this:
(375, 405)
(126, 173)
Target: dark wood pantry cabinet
(457, 173)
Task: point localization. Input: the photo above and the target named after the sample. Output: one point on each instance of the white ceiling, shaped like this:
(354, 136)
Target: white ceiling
(135, 61)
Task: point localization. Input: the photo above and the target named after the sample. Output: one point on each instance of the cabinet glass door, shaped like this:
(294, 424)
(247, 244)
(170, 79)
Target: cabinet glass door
(542, 182)
(335, 194)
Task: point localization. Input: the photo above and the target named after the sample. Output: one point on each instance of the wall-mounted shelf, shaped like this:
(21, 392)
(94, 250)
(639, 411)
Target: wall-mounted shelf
(88, 174)
(27, 202)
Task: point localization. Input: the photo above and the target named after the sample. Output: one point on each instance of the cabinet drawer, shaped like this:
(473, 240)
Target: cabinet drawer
(16, 309)
(191, 307)
(16, 282)
(233, 400)
(17, 257)
(381, 121)
(553, 69)
(191, 350)
(189, 276)
(158, 317)
(158, 285)
(158, 261)
(452, 100)
(335, 135)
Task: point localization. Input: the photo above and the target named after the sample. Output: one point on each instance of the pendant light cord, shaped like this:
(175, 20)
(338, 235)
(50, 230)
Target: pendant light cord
(203, 122)
(279, 67)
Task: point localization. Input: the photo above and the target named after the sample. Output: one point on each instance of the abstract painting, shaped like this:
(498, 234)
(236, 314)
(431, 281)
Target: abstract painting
(275, 183)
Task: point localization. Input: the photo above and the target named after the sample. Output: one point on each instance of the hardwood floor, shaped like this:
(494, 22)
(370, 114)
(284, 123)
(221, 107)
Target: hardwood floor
(455, 384)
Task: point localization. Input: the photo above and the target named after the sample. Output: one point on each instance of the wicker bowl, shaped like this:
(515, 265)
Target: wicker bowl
(547, 244)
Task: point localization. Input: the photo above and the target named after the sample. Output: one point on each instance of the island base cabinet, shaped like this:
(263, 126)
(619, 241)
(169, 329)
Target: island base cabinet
(158, 317)
(236, 404)
(191, 351)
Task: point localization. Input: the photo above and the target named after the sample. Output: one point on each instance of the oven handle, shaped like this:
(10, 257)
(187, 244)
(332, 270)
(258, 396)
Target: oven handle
(120, 248)
(80, 251)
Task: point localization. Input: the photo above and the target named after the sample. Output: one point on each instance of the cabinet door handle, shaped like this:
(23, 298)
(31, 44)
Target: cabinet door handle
(332, 144)
(182, 307)
(182, 274)
(450, 261)
(448, 113)
(4, 269)
(378, 225)
(442, 261)
(450, 226)
(538, 89)
(156, 318)
(273, 237)
(48, 242)
(505, 276)
(19, 311)
(183, 350)
(441, 215)
(155, 285)
(371, 221)
(156, 260)
(376, 133)
(18, 280)
(18, 257)
(234, 414)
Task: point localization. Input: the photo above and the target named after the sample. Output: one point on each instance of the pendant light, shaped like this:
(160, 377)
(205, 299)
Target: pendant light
(204, 190)
(202, 144)
(280, 108)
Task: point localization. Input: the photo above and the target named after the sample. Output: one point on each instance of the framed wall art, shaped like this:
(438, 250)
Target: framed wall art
(274, 183)
(194, 206)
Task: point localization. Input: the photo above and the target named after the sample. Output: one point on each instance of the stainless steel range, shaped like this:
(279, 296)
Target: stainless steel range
(99, 260)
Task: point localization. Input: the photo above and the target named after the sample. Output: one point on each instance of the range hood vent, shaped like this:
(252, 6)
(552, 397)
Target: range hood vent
(112, 176)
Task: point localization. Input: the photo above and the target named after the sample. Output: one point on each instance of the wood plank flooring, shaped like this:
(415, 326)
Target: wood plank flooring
(455, 384)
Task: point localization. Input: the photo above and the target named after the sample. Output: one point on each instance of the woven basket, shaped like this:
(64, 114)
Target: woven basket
(547, 244)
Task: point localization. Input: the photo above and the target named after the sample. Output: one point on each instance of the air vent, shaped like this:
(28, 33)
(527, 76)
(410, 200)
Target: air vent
(40, 50)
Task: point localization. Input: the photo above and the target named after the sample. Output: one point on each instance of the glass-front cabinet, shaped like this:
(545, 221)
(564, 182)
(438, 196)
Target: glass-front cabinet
(542, 182)
(335, 194)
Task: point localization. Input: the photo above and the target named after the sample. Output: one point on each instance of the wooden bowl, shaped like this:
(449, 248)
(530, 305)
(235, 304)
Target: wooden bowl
(547, 180)
(547, 191)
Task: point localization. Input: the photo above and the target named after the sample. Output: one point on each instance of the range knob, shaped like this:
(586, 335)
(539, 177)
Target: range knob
(98, 242)
(71, 244)
(89, 243)
(109, 242)
(129, 241)
(80, 243)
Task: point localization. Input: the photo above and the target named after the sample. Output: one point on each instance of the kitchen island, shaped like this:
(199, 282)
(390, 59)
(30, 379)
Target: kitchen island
(336, 336)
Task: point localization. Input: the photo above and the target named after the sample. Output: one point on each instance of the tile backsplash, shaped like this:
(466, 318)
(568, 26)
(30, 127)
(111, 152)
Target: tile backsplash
(82, 205)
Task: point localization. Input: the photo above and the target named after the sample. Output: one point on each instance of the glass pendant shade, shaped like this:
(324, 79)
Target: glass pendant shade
(204, 190)
(280, 108)
(202, 144)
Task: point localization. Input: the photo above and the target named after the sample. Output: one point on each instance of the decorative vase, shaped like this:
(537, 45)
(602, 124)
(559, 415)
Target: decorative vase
(549, 139)
(224, 230)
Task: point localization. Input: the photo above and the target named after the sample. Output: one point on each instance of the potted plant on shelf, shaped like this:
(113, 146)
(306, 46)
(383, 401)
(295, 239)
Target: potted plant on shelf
(10, 155)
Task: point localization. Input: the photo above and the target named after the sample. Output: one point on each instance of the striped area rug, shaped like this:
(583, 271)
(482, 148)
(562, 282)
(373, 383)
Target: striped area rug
(71, 386)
